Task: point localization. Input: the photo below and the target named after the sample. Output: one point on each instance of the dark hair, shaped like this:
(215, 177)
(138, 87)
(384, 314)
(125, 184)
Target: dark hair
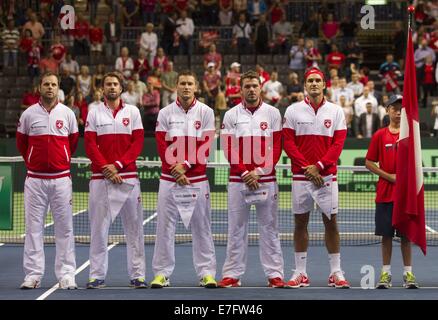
(49, 74)
(250, 74)
(113, 75)
(187, 73)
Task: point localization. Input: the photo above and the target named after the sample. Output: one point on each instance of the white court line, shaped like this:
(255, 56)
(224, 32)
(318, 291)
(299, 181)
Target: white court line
(2, 244)
(80, 269)
(87, 263)
(431, 230)
(51, 223)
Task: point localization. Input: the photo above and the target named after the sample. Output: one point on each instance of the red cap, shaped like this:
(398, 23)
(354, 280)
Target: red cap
(314, 71)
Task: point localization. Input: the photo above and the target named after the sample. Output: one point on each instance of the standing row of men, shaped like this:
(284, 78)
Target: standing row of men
(313, 131)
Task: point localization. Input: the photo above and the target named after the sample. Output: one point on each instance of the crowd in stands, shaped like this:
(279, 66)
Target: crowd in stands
(258, 27)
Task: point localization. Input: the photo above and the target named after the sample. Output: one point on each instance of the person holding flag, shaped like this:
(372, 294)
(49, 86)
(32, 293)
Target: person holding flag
(383, 150)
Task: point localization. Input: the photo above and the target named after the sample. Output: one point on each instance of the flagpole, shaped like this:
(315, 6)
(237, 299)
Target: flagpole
(411, 10)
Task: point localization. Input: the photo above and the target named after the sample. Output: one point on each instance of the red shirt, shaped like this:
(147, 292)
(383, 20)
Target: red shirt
(81, 30)
(26, 44)
(330, 29)
(30, 98)
(428, 74)
(166, 6)
(96, 35)
(335, 59)
(58, 52)
(181, 4)
(276, 14)
(383, 149)
(232, 90)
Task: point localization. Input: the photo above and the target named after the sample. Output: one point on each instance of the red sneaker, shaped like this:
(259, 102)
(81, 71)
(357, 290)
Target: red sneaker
(275, 283)
(229, 282)
(337, 280)
(298, 280)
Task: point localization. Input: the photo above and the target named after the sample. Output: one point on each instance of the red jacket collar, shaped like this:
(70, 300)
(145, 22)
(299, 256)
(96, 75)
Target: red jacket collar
(316, 108)
(192, 104)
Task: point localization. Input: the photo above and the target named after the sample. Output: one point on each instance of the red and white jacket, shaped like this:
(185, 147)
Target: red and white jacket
(252, 141)
(314, 137)
(114, 137)
(185, 138)
(47, 140)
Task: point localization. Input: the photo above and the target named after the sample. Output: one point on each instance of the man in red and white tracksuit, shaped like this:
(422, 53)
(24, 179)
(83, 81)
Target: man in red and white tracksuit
(314, 132)
(114, 138)
(184, 133)
(251, 140)
(47, 136)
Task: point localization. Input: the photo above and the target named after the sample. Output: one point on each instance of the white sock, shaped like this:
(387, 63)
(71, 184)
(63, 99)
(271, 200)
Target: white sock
(300, 262)
(335, 262)
(407, 269)
(386, 268)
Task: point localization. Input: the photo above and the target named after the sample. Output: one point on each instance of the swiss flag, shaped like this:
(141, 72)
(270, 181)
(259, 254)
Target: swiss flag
(408, 215)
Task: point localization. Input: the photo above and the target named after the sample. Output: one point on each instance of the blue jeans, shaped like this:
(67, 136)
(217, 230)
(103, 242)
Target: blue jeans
(8, 56)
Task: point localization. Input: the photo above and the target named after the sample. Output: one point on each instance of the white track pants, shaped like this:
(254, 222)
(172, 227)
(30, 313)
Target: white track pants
(100, 221)
(204, 258)
(271, 256)
(38, 195)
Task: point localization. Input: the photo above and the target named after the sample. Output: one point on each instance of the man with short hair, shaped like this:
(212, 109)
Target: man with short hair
(251, 138)
(314, 133)
(113, 141)
(47, 136)
(184, 132)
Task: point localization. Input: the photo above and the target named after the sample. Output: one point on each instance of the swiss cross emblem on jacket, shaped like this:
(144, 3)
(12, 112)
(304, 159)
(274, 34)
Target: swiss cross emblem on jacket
(197, 124)
(59, 124)
(328, 123)
(125, 122)
(263, 125)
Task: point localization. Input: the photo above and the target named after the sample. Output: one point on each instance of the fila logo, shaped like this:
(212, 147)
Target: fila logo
(223, 126)
(327, 123)
(59, 124)
(125, 122)
(263, 125)
(207, 196)
(197, 124)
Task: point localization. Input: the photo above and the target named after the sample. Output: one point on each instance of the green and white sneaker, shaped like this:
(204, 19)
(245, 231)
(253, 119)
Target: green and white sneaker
(409, 281)
(208, 282)
(159, 282)
(385, 281)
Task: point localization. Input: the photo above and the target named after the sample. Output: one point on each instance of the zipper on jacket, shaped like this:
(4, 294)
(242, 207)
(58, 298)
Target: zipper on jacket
(66, 154)
(30, 154)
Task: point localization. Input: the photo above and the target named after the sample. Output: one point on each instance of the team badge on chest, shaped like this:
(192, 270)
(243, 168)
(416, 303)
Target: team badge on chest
(197, 124)
(263, 125)
(59, 124)
(327, 123)
(125, 122)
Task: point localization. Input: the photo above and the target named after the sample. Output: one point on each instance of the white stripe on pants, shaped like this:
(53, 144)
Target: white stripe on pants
(271, 256)
(38, 195)
(100, 221)
(204, 258)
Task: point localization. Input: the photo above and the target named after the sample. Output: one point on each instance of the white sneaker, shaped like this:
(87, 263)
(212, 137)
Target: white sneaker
(68, 283)
(30, 284)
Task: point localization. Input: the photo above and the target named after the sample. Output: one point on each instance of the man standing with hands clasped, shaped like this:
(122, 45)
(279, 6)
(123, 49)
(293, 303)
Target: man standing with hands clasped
(113, 141)
(314, 133)
(47, 136)
(184, 133)
(251, 140)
